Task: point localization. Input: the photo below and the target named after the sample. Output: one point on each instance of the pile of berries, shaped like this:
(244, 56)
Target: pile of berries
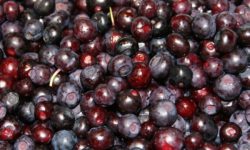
(125, 74)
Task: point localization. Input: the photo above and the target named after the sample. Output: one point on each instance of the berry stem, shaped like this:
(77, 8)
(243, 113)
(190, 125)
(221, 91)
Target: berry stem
(111, 16)
(52, 78)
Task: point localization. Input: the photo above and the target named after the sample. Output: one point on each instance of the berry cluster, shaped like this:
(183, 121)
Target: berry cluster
(125, 74)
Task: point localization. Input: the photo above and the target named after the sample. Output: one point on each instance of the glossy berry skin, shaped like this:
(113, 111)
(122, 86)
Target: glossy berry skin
(11, 10)
(81, 127)
(186, 107)
(71, 43)
(68, 94)
(225, 40)
(128, 101)
(181, 124)
(247, 112)
(26, 112)
(163, 113)
(11, 100)
(226, 20)
(9, 67)
(140, 57)
(86, 60)
(205, 126)
(181, 7)
(26, 130)
(24, 142)
(141, 28)
(24, 68)
(177, 45)
(66, 60)
(9, 129)
(98, 5)
(239, 117)
(168, 139)
(148, 129)
(75, 77)
(227, 87)
(230, 132)
(210, 104)
(94, 47)
(227, 146)
(43, 110)
(244, 142)
(181, 24)
(47, 54)
(204, 26)
(97, 116)
(28, 14)
(194, 45)
(164, 11)
(129, 126)
(6, 83)
(81, 5)
(82, 144)
(125, 17)
(59, 17)
(3, 110)
(127, 46)
(208, 49)
(110, 39)
(40, 74)
(41, 94)
(148, 8)
(14, 44)
(41, 133)
(243, 34)
(62, 118)
(159, 27)
(100, 138)
(113, 122)
(213, 67)
(33, 56)
(91, 76)
(245, 77)
(104, 95)
(189, 60)
(102, 21)
(160, 65)
(235, 61)
(33, 30)
(120, 65)
(138, 143)
(219, 6)
(199, 78)
(193, 141)
(140, 76)
(64, 139)
(144, 115)
(52, 38)
(239, 20)
(158, 45)
(209, 146)
(117, 84)
(180, 76)
(243, 99)
(84, 30)
(87, 101)
(11, 27)
(24, 87)
(44, 7)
